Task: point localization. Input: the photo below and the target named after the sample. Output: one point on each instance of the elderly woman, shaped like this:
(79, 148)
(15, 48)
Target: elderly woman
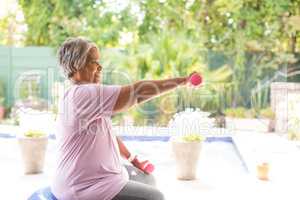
(89, 159)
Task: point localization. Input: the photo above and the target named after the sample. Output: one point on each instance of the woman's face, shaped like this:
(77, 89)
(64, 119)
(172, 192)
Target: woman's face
(91, 72)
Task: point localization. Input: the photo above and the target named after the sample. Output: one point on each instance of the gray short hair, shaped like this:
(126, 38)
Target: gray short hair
(73, 54)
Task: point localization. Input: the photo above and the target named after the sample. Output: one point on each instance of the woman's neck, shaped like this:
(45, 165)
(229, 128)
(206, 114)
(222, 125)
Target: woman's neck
(76, 79)
(79, 82)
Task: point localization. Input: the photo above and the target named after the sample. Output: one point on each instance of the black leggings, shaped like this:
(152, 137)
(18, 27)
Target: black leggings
(139, 187)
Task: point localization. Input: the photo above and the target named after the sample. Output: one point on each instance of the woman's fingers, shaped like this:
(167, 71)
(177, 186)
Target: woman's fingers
(144, 166)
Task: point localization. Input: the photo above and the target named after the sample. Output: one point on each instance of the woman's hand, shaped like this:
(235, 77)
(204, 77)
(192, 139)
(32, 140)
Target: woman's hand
(144, 166)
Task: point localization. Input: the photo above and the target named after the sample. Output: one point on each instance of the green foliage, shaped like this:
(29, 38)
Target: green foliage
(256, 38)
(172, 54)
(240, 112)
(216, 24)
(260, 97)
(11, 29)
(4, 24)
(34, 134)
(145, 114)
(294, 136)
(38, 16)
(248, 32)
(267, 113)
(193, 138)
(50, 22)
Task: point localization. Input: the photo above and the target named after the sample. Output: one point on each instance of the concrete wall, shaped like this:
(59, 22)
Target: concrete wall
(285, 102)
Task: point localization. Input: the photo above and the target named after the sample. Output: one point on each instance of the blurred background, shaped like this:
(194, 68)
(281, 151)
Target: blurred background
(240, 47)
(247, 108)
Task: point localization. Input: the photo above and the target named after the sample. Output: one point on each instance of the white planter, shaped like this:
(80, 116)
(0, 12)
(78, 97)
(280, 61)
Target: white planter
(248, 124)
(37, 120)
(186, 156)
(33, 151)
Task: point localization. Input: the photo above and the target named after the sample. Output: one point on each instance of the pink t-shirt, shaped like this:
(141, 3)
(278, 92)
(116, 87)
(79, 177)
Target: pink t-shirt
(89, 161)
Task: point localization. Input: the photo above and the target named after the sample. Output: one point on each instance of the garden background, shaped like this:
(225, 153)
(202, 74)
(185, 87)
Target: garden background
(240, 47)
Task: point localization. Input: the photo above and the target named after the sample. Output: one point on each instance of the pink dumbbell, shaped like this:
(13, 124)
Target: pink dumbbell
(147, 167)
(195, 79)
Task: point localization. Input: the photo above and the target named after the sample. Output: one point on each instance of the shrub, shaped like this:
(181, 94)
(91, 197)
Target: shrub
(34, 134)
(240, 112)
(267, 113)
(193, 138)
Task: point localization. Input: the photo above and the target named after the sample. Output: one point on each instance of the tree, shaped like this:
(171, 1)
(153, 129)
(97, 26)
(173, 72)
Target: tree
(256, 37)
(52, 21)
(10, 30)
(38, 15)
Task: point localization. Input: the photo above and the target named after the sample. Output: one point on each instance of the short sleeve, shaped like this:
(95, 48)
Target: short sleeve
(94, 101)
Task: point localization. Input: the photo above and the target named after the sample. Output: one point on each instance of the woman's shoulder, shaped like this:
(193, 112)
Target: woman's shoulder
(93, 88)
(84, 87)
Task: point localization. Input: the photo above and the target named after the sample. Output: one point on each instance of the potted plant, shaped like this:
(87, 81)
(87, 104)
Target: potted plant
(33, 145)
(186, 151)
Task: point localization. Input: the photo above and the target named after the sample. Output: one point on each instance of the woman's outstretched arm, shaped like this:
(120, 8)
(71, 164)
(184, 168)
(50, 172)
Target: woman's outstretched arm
(142, 91)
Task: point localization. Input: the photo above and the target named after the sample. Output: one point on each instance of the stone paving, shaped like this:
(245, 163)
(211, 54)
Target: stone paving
(221, 173)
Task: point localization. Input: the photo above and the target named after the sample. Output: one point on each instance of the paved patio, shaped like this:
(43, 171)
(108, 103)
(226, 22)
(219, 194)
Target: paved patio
(222, 171)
